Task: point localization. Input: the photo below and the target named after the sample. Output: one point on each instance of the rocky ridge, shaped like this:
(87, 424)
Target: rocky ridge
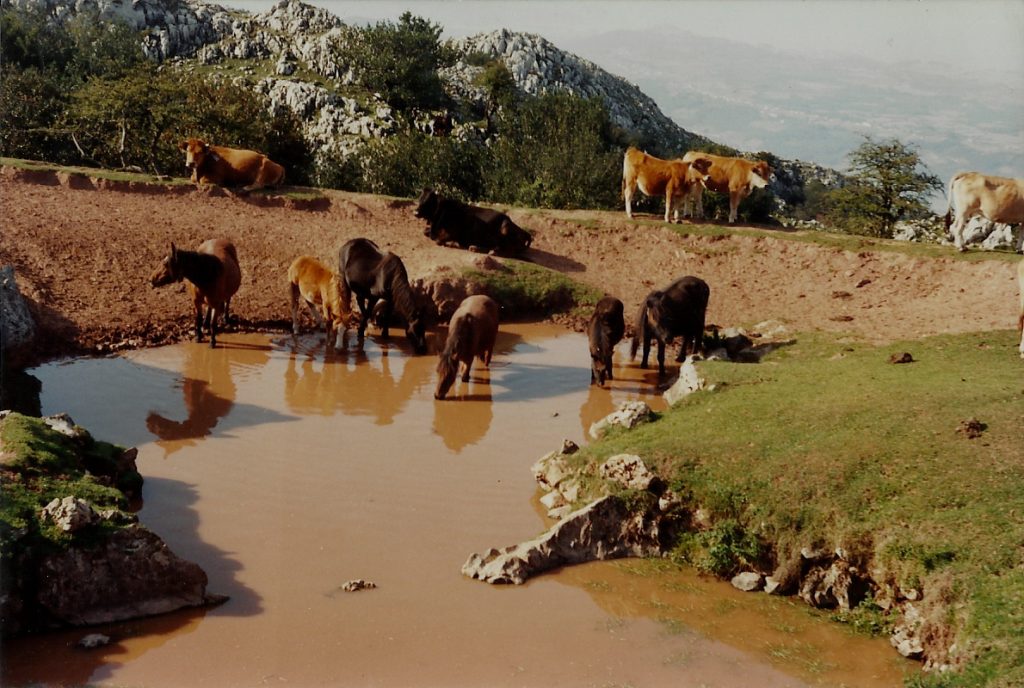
(290, 56)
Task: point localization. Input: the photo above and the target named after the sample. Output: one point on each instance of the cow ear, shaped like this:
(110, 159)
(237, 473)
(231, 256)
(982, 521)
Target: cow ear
(174, 249)
(183, 145)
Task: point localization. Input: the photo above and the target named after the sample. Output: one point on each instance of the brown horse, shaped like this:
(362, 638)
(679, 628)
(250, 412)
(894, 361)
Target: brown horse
(213, 278)
(471, 332)
(319, 285)
(678, 309)
(604, 330)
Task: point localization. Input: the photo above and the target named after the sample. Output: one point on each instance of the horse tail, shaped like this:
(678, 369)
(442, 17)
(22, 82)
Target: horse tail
(638, 330)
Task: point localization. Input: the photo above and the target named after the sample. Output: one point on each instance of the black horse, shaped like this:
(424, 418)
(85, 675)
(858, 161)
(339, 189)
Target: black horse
(605, 330)
(678, 309)
(374, 276)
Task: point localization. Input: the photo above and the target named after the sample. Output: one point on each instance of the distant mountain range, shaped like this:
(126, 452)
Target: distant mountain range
(758, 98)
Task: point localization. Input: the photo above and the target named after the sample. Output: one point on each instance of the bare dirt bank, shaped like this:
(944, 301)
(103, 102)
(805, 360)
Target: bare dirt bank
(83, 250)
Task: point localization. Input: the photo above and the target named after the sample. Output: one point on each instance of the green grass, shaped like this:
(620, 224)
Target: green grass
(527, 289)
(827, 443)
(838, 241)
(39, 465)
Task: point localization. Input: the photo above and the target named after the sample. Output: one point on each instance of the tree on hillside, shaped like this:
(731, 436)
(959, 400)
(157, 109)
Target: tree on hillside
(555, 151)
(889, 183)
(399, 60)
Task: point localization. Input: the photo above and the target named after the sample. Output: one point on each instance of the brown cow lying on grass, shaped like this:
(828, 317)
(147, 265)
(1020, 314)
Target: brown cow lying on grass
(230, 166)
(734, 176)
(655, 176)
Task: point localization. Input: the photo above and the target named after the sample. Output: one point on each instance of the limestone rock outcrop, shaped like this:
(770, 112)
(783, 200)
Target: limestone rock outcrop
(133, 573)
(604, 529)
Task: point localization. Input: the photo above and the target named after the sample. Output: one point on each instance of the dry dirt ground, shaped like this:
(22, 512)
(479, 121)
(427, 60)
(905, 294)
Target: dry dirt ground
(83, 251)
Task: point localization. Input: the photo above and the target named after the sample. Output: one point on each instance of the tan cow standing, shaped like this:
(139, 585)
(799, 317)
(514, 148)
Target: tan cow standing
(230, 166)
(997, 199)
(655, 176)
(734, 176)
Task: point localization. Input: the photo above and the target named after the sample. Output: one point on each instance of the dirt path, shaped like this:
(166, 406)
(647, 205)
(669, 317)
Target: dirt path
(83, 252)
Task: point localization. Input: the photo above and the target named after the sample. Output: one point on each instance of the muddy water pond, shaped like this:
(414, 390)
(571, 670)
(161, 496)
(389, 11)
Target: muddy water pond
(285, 471)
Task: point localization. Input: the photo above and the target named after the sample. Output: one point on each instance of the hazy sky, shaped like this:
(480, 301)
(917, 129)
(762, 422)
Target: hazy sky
(970, 35)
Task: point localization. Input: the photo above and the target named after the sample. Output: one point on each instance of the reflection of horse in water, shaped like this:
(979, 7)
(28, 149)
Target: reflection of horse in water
(357, 387)
(464, 424)
(209, 394)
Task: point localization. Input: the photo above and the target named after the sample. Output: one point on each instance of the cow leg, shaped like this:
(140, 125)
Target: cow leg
(627, 193)
(959, 225)
(734, 204)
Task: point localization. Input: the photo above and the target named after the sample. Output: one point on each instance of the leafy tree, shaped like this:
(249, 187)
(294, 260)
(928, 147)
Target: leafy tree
(127, 121)
(555, 151)
(30, 103)
(500, 88)
(399, 60)
(404, 164)
(889, 183)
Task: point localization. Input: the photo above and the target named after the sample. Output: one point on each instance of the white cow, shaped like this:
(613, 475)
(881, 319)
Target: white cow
(997, 199)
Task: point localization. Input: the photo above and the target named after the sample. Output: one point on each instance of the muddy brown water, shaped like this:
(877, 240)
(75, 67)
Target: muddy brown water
(285, 471)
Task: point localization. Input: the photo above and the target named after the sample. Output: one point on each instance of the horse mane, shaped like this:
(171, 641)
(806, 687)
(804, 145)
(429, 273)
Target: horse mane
(202, 269)
(599, 335)
(393, 274)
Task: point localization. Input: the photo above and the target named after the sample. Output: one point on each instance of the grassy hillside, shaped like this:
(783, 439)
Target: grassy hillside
(829, 444)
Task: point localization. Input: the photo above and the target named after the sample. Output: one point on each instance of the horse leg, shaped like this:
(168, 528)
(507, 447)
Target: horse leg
(467, 364)
(212, 314)
(661, 357)
(294, 302)
(608, 366)
(385, 319)
(311, 307)
(647, 346)
(365, 307)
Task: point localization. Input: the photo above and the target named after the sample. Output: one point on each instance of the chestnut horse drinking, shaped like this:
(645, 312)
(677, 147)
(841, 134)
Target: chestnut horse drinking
(213, 278)
(604, 330)
(317, 284)
(374, 276)
(471, 333)
(678, 309)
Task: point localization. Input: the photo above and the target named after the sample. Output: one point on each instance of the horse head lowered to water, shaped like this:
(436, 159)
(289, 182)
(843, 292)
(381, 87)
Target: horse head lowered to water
(375, 276)
(213, 278)
(471, 333)
(678, 309)
(604, 330)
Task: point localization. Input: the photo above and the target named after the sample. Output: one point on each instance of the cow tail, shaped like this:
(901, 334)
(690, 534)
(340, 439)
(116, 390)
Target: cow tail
(949, 203)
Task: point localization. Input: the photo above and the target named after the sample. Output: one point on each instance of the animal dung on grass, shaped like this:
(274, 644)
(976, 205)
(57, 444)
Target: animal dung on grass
(971, 428)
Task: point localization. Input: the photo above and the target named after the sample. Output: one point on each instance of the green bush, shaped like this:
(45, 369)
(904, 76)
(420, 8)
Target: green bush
(398, 60)
(405, 164)
(555, 151)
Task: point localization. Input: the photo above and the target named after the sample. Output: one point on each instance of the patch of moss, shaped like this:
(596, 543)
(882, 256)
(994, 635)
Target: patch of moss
(40, 465)
(525, 289)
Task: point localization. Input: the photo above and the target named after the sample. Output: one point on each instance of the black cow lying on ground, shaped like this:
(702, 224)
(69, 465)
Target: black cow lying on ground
(470, 226)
